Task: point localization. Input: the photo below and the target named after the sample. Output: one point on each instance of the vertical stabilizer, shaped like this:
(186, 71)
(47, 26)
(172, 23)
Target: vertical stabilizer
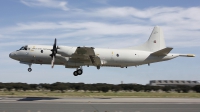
(155, 42)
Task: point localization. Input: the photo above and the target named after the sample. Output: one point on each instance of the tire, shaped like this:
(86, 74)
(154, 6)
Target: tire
(79, 71)
(75, 73)
(29, 69)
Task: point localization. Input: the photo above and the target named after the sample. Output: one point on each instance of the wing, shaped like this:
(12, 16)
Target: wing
(85, 55)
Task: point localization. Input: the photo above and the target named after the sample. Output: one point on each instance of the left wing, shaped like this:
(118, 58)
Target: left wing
(85, 55)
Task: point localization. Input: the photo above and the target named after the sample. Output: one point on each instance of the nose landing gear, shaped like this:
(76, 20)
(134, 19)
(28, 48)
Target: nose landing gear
(29, 69)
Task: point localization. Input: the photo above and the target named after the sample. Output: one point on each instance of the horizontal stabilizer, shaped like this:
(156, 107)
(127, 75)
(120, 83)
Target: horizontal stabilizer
(162, 52)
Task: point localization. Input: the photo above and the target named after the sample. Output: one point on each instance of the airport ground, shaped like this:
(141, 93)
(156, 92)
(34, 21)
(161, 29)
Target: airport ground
(50, 104)
(57, 101)
(100, 94)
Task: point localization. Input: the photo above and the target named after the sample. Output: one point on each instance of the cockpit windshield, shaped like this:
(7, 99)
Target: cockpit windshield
(23, 48)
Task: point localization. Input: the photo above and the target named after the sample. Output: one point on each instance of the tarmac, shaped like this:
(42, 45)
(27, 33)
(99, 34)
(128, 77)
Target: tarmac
(49, 104)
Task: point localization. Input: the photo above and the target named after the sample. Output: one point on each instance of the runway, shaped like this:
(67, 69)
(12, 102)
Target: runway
(35, 104)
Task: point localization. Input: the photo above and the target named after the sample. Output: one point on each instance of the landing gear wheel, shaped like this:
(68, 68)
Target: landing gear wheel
(79, 71)
(29, 69)
(75, 73)
(98, 67)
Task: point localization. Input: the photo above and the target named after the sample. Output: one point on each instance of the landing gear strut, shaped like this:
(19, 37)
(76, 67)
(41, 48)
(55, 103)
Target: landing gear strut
(78, 72)
(29, 64)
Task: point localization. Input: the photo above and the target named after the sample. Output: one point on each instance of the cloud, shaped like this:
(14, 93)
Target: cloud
(180, 25)
(87, 32)
(133, 12)
(96, 26)
(182, 18)
(105, 2)
(154, 15)
(46, 3)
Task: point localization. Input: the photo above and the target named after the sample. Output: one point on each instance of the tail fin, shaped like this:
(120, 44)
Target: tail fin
(155, 42)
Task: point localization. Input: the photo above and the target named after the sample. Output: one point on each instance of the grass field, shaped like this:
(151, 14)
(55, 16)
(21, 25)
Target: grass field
(96, 94)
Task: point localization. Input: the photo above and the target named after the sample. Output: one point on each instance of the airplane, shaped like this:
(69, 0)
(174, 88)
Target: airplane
(153, 50)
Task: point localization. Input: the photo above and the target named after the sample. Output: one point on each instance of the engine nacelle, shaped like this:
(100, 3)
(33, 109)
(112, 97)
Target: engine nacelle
(66, 51)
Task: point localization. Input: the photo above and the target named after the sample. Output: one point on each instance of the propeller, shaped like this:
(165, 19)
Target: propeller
(53, 54)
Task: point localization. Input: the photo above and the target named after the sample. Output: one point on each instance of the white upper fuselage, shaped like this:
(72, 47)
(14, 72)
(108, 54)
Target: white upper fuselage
(40, 54)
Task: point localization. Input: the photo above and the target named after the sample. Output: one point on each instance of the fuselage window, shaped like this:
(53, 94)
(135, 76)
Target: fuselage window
(41, 51)
(117, 55)
(23, 48)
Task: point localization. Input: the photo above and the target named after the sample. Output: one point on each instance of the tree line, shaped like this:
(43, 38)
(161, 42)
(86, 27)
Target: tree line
(99, 87)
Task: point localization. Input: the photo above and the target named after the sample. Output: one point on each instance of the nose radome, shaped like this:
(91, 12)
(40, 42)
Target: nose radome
(10, 55)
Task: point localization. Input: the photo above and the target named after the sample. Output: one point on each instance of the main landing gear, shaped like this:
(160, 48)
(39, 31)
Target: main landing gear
(78, 72)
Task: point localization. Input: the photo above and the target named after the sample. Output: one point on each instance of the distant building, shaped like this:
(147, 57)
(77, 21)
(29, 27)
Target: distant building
(173, 83)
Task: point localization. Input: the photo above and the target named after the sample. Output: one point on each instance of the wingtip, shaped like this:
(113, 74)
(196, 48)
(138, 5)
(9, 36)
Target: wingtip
(187, 55)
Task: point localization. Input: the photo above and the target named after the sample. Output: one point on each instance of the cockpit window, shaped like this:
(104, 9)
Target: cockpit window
(23, 48)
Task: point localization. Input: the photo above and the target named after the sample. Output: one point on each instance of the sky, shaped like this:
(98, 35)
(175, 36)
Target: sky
(104, 24)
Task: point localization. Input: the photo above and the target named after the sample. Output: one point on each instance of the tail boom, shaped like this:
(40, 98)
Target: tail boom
(187, 55)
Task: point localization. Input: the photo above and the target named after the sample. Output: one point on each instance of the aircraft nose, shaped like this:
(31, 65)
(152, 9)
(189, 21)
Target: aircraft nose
(11, 55)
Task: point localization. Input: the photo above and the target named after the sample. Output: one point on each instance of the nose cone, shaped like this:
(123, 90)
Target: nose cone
(11, 55)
